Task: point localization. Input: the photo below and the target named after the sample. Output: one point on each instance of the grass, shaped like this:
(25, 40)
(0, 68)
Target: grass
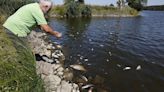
(99, 10)
(17, 66)
(58, 10)
(109, 10)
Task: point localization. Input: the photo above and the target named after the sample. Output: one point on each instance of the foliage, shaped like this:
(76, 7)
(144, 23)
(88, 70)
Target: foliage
(110, 10)
(137, 4)
(86, 11)
(58, 10)
(81, 1)
(72, 8)
(10, 6)
(112, 5)
(120, 3)
(68, 1)
(155, 8)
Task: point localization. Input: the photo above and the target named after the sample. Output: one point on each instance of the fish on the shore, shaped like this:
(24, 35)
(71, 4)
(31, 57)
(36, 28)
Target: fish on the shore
(58, 46)
(78, 67)
(87, 86)
(84, 78)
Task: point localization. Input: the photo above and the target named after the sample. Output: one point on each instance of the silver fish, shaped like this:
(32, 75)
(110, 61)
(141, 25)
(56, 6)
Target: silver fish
(138, 67)
(87, 86)
(84, 78)
(127, 68)
(78, 67)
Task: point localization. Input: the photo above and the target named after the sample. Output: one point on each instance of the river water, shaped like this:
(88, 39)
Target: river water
(128, 53)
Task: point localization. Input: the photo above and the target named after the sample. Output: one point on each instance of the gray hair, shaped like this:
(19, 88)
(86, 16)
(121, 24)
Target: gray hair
(46, 2)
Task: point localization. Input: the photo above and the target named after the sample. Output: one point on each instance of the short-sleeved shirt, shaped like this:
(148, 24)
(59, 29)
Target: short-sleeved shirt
(22, 21)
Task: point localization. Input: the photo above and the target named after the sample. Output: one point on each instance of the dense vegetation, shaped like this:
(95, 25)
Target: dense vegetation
(137, 4)
(111, 10)
(8, 7)
(155, 8)
(72, 8)
(17, 63)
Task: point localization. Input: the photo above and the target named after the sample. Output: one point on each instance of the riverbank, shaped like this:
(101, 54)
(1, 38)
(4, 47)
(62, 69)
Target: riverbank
(56, 74)
(98, 11)
(17, 66)
(49, 64)
(155, 8)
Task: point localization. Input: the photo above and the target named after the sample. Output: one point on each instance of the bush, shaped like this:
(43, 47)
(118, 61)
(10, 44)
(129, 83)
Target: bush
(59, 10)
(72, 8)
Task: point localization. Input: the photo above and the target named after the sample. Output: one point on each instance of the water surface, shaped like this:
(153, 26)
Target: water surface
(108, 45)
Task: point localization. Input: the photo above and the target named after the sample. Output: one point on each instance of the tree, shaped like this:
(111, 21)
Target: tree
(81, 1)
(112, 5)
(120, 4)
(68, 1)
(137, 4)
(76, 8)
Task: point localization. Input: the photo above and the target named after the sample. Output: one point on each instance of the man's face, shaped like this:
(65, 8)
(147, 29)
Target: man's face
(46, 8)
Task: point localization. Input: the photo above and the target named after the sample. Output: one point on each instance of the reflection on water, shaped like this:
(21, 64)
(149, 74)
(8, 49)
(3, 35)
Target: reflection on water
(77, 26)
(113, 48)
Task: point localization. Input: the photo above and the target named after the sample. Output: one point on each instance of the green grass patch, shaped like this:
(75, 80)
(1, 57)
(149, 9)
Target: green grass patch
(17, 66)
(17, 63)
(98, 10)
(110, 10)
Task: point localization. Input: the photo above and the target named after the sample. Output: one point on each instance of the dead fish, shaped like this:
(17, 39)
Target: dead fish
(90, 90)
(85, 60)
(78, 55)
(101, 45)
(71, 35)
(58, 46)
(87, 86)
(81, 57)
(78, 67)
(118, 65)
(84, 78)
(107, 60)
(47, 59)
(138, 67)
(110, 54)
(127, 68)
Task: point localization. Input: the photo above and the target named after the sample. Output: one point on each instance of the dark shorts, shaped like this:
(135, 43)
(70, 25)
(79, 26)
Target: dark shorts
(11, 34)
(15, 39)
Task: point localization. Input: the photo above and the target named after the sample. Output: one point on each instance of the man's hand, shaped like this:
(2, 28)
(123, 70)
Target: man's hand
(48, 29)
(58, 35)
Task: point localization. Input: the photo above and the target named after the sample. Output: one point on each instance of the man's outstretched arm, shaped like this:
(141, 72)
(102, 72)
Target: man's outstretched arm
(48, 29)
